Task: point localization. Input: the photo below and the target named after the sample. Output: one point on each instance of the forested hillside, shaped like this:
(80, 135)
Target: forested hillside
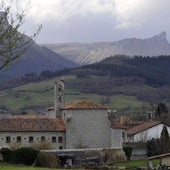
(120, 82)
(154, 71)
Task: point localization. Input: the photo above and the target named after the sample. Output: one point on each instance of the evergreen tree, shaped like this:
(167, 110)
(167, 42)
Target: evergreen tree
(162, 112)
(164, 140)
(159, 146)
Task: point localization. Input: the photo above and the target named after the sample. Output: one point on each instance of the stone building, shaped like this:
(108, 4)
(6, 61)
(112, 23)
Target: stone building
(29, 131)
(80, 124)
(87, 125)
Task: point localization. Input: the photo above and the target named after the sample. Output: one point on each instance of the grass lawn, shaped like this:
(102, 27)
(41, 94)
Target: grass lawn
(40, 95)
(134, 163)
(127, 164)
(4, 166)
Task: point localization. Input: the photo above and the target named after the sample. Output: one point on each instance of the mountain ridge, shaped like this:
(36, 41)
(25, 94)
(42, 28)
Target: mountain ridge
(87, 53)
(35, 59)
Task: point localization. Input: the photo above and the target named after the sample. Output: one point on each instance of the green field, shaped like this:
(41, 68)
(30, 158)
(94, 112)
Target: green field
(135, 163)
(127, 164)
(22, 167)
(34, 97)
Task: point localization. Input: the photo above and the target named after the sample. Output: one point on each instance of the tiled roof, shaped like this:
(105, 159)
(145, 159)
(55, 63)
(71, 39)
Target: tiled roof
(32, 124)
(82, 104)
(142, 127)
(26, 116)
(119, 126)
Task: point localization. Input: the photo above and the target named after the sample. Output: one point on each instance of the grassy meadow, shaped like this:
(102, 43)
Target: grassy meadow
(127, 164)
(22, 167)
(40, 95)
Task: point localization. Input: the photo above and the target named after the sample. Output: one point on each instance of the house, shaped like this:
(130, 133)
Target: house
(29, 131)
(137, 136)
(80, 124)
(78, 127)
(145, 131)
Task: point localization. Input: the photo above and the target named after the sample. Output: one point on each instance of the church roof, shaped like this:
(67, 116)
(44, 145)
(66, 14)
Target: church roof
(32, 124)
(82, 104)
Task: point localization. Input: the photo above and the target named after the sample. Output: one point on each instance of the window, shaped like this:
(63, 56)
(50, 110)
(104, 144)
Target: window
(60, 139)
(8, 139)
(42, 138)
(53, 139)
(60, 147)
(31, 139)
(18, 139)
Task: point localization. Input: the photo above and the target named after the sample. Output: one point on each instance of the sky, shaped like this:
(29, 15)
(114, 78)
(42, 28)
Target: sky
(90, 21)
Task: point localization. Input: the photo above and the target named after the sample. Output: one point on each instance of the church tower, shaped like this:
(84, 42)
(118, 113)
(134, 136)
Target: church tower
(58, 96)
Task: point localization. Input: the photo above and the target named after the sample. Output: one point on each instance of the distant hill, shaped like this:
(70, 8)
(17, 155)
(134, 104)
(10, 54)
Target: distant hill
(154, 71)
(90, 53)
(125, 83)
(36, 59)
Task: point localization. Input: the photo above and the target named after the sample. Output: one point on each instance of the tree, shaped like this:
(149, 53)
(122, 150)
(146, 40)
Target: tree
(164, 140)
(159, 146)
(162, 112)
(12, 43)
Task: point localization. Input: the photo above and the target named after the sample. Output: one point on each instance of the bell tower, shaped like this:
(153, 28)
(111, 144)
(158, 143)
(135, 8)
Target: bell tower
(58, 96)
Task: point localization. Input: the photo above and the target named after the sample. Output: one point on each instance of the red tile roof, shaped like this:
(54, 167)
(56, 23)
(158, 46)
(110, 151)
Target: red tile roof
(26, 116)
(119, 126)
(142, 127)
(83, 105)
(32, 124)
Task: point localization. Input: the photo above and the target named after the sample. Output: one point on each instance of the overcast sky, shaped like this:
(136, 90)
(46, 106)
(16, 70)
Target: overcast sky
(96, 20)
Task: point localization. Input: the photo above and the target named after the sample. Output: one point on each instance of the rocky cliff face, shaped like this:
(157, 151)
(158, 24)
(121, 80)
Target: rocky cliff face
(90, 53)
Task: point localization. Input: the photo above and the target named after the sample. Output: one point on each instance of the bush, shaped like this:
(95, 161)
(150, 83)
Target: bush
(128, 152)
(22, 155)
(6, 154)
(26, 155)
(46, 160)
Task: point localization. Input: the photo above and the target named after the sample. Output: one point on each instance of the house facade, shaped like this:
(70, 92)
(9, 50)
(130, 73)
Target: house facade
(78, 125)
(17, 132)
(145, 131)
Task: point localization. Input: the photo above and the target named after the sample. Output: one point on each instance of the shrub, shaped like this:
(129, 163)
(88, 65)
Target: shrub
(47, 160)
(6, 154)
(26, 155)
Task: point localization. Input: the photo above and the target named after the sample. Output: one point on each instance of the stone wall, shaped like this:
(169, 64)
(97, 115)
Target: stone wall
(87, 128)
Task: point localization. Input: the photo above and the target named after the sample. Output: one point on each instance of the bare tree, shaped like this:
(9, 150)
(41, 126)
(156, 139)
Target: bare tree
(12, 43)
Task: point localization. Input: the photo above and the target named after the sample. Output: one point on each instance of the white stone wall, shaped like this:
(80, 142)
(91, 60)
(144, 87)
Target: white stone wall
(36, 138)
(87, 128)
(148, 134)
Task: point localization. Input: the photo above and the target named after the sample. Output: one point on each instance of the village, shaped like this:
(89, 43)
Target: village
(81, 133)
(84, 85)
